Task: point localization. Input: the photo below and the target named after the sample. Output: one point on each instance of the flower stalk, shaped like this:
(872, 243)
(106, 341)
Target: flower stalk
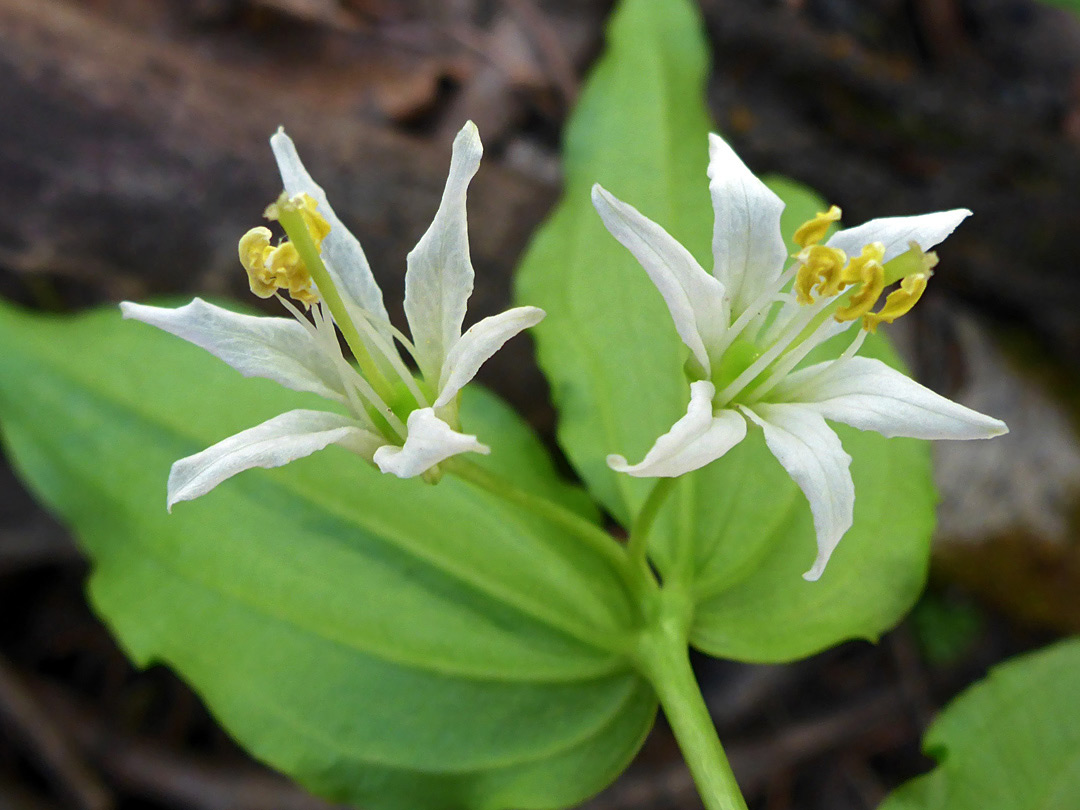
(638, 544)
(663, 658)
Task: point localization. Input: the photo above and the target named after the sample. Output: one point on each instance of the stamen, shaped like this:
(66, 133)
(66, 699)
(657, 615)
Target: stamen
(254, 250)
(855, 345)
(329, 344)
(899, 302)
(351, 379)
(390, 356)
(788, 361)
(291, 273)
(913, 260)
(294, 214)
(813, 231)
(317, 225)
(271, 269)
(795, 328)
(758, 307)
(323, 332)
(821, 267)
(798, 392)
(867, 271)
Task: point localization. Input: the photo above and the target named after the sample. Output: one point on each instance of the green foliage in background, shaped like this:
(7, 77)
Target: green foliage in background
(1069, 5)
(613, 359)
(1011, 742)
(385, 642)
(945, 628)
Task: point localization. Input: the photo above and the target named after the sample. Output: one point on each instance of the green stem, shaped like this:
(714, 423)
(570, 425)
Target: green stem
(553, 512)
(293, 223)
(663, 656)
(638, 544)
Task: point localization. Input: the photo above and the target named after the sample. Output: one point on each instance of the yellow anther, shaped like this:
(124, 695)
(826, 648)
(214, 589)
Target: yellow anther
(307, 207)
(290, 273)
(856, 269)
(255, 250)
(270, 268)
(821, 268)
(284, 262)
(813, 231)
(253, 246)
(899, 302)
(317, 226)
(865, 270)
(911, 261)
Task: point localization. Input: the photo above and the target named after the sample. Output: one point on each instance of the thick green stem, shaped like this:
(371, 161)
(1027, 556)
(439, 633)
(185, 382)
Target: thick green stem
(550, 511)
(663, 657)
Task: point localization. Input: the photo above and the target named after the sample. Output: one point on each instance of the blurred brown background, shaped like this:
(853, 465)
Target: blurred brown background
(133, 153)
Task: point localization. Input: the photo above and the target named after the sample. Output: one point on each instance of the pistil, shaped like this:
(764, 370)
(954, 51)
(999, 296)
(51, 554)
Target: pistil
(294, 216)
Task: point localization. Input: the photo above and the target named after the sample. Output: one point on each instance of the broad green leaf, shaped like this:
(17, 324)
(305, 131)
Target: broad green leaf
(615, 364)
(607, 345)
(1011, 742)
(755, 538)
(385, 642)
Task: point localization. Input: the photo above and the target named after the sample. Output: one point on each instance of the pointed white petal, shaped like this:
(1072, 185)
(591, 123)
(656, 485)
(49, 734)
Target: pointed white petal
(480, 341)
(697, 439)
(439, 275)
(812, 455)
(748, 248)
(694, 298)
(341, 252)
(279, 349)
(275, 442)
(896, 232)
(430, 440)
(867, 394)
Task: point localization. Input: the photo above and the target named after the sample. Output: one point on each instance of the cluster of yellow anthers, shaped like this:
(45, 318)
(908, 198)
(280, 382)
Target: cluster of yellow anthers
(271, 268)
(829, 271)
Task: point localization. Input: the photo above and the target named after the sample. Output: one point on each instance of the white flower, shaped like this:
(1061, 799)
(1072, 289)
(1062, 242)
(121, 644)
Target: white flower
(750, 324)
(403, 423)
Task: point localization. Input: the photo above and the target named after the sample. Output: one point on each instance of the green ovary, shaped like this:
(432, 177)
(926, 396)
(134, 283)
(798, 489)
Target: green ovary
(739, 356)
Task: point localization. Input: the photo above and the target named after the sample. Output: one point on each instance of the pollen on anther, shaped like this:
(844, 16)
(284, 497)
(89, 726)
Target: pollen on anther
(899, 302)
(255, 250)
(813, 231)
(271, 268)
(821, 268)
(867, 271)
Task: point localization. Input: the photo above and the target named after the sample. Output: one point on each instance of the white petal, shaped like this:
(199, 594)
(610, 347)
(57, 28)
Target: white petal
(895, 232)
(748, 248)
(812, 455)
(275, 442)
(439, 276)
(695, 440)
(341, 252)
(867, 394)
(430, 440)
(480, 341)
(279, 349)
(694, 298)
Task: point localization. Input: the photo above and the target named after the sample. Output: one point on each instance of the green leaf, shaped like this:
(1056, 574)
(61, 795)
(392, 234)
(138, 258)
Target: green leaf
(615, 365)
(607, 345)
(755, 538)
(385, 642)
(1011, 742)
